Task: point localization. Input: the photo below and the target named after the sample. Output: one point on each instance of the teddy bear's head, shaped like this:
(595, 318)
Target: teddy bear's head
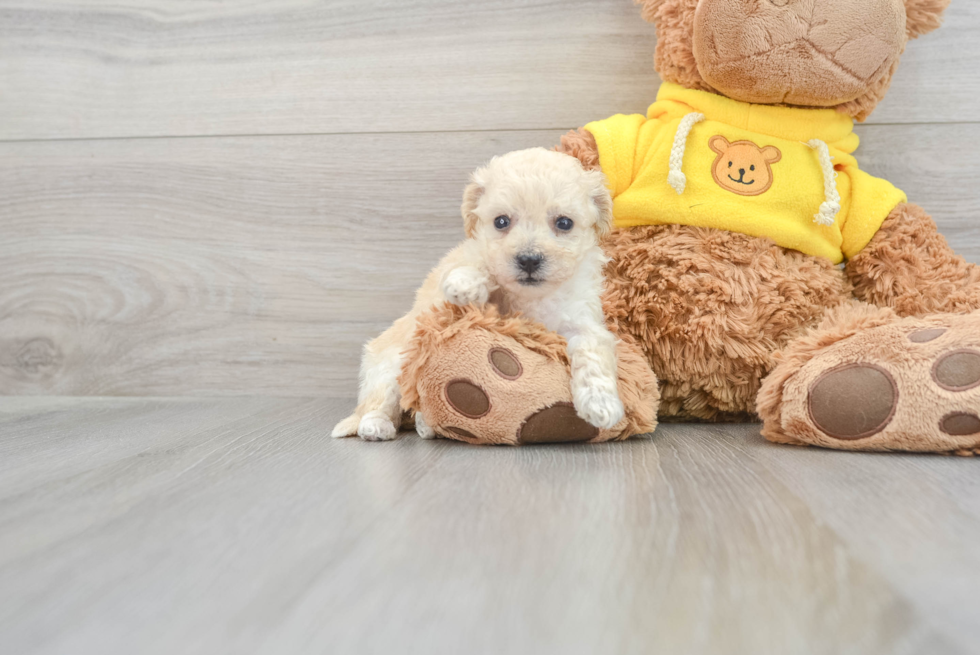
(809, 53)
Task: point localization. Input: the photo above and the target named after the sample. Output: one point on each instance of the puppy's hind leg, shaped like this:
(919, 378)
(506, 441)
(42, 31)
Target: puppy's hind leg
(346, 427)
(378, 413)
(422, 428)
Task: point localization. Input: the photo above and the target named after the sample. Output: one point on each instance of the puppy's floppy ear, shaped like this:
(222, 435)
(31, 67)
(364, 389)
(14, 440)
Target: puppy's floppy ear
(603, 202)
(923, 16)
(471, 198)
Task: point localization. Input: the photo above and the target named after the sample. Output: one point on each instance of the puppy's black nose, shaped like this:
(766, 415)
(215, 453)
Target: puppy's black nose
(741, 172)
(529, 263)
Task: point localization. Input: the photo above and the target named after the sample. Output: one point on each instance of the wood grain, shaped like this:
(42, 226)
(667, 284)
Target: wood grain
(260, 265)
(920, 506)
(234, 525)
(93, 68)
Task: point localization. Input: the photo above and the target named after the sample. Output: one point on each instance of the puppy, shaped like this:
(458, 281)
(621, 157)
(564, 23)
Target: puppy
(533, 220)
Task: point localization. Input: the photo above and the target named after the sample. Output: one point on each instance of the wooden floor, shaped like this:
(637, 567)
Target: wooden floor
(234, 526)
(207, 207)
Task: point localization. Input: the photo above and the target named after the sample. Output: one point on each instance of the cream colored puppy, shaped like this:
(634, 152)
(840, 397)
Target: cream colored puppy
(533, 219)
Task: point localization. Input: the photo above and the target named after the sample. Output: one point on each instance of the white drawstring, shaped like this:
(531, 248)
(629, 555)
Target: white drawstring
(676, 177)
(831, 205)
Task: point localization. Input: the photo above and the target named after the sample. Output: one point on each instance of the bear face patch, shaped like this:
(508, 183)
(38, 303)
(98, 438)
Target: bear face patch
(743, 167)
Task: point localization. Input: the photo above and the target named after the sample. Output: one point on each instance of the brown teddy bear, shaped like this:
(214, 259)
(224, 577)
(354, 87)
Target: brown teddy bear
(737, 197)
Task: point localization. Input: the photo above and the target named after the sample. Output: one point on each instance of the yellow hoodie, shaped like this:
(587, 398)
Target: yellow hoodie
(779, 172)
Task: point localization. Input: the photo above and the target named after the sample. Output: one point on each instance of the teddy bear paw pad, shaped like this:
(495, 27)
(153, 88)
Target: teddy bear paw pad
(467, 398)
(958, 370)
(961, 424)
(853, 401)
(556, 424)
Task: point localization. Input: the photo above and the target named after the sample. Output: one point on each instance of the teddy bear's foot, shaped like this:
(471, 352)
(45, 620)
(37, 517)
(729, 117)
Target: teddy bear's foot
(867, 380)
(474, 376)
(489, 389)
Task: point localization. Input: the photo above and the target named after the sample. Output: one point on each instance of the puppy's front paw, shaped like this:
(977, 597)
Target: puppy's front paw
(376, 426)
(466, 285)
(600, 408)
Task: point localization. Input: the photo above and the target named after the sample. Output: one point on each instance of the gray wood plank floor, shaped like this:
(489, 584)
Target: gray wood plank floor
(236, 526)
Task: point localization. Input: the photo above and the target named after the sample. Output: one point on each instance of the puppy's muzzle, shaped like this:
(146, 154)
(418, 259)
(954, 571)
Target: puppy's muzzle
(529, 263)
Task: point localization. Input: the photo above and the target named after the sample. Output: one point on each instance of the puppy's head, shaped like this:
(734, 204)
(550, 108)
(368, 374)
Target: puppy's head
(537, 214)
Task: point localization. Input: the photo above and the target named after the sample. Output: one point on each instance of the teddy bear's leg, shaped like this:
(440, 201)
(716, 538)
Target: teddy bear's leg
(473, 376)
(868, 379)
(910, 267)
(487, 388)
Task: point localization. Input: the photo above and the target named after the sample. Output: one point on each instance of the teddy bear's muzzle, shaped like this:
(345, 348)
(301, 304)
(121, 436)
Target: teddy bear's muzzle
(816, 53)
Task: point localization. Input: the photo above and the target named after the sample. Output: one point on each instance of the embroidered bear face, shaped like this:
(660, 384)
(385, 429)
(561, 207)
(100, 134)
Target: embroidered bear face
(743, 167)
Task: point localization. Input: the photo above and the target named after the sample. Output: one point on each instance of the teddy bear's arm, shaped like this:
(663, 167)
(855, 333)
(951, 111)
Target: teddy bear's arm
(909, 266)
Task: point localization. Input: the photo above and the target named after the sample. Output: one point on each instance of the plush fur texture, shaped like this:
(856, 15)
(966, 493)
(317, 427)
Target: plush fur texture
(709, 307)
(452, 343)
(910, 267)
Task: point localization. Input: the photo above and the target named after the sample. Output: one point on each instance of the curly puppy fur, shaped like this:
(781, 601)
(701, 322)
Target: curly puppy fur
(674, 58)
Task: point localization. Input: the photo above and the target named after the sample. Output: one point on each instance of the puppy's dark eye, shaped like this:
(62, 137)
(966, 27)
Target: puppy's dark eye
(564, 223)
(752, 167)
(501, 222)
(729, 164)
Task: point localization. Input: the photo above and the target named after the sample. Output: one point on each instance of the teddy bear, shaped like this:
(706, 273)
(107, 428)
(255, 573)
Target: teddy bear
(758, 269)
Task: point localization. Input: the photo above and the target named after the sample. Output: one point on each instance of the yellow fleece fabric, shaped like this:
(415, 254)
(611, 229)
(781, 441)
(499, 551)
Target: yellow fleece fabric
(635, 152)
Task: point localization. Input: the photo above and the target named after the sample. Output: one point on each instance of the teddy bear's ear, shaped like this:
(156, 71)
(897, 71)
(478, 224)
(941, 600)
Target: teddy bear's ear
(719, 144)
(924, 16)
(471, 198)
(649, 8)
(603, 202)
(772, 154)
